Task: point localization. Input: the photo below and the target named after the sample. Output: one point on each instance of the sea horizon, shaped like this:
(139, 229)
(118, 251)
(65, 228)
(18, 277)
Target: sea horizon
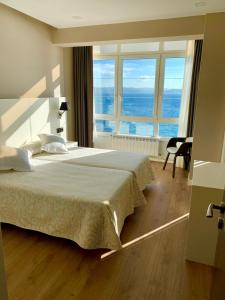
(138, 102)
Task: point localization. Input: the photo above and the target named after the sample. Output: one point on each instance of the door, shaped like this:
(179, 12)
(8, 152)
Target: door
(218, 284)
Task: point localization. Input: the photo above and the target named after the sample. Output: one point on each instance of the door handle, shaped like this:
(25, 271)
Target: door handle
(221, 208)
(212, 206)
(209, 213)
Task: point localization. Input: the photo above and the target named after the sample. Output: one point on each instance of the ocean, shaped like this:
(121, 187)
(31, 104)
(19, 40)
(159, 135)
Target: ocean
(139, 103)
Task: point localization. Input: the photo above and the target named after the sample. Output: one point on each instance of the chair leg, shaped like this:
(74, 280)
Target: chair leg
(188, 162)
(185, 162)
(174, 165)
(167, 157)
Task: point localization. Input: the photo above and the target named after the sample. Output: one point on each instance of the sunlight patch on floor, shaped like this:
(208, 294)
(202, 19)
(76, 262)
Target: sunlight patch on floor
(147, 235)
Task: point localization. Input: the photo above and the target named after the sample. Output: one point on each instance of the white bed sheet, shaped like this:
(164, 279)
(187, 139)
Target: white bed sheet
(136, 163)
(83, 204)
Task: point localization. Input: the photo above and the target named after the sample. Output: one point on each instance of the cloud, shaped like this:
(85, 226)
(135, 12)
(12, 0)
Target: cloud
(104, 69)
(139, 73)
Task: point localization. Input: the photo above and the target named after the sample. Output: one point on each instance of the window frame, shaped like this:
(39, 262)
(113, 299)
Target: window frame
(120, 88)
(107, 116)
(117, 116)
(163, 120)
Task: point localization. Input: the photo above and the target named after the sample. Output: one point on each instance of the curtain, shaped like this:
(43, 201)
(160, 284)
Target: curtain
(83, 95)
(194, 86)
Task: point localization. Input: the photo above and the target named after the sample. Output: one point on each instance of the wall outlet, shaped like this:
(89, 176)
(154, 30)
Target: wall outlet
(60, 129)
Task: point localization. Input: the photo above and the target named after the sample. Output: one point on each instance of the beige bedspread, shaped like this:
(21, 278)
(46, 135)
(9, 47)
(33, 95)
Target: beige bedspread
(83, 204)
(136, 163)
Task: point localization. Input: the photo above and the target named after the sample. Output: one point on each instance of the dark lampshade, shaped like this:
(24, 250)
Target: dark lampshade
(64, 106)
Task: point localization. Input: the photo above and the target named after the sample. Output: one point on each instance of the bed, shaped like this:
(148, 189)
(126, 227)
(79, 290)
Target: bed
(135, 163)
(85, 204)
(83, 196)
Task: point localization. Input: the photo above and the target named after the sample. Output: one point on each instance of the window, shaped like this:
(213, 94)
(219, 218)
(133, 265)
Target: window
(175, 45)
(105, 126)
(104, 86)
(107, 48)
(140, 47)
(173, 86)
(168, 130)
(138, 88)
(136, 128)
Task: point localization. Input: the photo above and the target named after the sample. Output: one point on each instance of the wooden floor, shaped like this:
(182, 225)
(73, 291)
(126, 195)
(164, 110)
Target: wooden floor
(152, 266)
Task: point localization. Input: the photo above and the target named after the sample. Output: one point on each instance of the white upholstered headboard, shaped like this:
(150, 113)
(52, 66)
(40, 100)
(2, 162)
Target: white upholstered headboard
(21, 120)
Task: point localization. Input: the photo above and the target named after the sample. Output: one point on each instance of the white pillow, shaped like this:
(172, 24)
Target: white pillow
(51, 138)
(55, 148)
(33, 147)
(15, 159)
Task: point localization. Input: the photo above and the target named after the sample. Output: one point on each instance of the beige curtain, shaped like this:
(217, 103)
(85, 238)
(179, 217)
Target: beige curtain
(83, 95)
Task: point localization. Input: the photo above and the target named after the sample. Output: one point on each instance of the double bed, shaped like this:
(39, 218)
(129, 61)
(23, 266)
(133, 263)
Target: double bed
(83, 196)
(86, 205)
(135, 163)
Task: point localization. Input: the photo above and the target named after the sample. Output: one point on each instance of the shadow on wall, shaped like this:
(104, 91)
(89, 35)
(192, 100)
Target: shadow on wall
(23, 118)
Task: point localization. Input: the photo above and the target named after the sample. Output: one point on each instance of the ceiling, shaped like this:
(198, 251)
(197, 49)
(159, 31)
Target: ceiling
(72, 13)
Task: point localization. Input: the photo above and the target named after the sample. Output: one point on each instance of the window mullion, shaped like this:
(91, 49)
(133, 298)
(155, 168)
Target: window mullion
(116, 95)
(119, 98)
(158, 95)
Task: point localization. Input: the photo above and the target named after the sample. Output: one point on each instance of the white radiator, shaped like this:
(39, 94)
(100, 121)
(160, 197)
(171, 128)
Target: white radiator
(128, 143)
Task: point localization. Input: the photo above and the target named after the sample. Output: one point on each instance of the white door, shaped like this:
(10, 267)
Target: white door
(218, 285)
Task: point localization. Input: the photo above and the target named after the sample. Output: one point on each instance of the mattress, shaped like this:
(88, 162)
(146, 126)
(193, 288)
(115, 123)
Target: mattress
(136, 163)
(83, 204)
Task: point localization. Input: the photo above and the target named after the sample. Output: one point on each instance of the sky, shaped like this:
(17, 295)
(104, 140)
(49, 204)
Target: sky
(139, 73)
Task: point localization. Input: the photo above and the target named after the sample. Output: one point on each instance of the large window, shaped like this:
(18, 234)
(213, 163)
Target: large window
(138, 88)
(173, 86)
(104, 86)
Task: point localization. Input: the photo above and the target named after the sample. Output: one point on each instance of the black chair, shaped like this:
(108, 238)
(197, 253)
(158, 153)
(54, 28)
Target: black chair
(184, 149)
